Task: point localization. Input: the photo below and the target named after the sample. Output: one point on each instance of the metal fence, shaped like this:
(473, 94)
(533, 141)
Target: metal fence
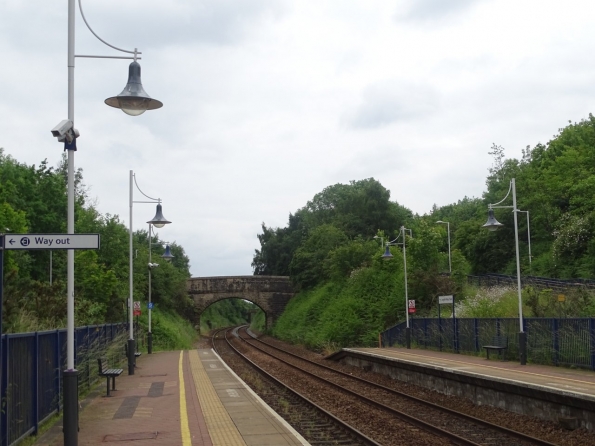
(488, 280)
(568, 341)
(32, 365)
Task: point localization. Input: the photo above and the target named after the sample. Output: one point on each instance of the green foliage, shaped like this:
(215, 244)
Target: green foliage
(490, 302)
(358, 209)
(306, 266)
(349, 312)
(277, 248)
(34, 199)
(546, 303)
(555, 182)
(227, 312)
(343, 260)
(170, 330)
(328, 246)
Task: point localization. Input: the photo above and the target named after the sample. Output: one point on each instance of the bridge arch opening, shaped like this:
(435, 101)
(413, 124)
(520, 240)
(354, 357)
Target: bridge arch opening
(227, 311)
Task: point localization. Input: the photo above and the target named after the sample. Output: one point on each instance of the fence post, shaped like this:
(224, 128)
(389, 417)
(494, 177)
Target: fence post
(36, 383)
(476, 333)
(5, 412)
(76, 347)
(425, 332)
(592, 333)
(58, 378)
(3, 380)
(440, 333)
(556, 339)
(456, 334)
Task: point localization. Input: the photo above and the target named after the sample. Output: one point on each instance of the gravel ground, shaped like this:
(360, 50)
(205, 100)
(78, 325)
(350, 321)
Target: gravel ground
(391, 432)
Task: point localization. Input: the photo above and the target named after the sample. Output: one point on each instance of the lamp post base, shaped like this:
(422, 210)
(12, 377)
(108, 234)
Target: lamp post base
(150, 343)
(131, 356)
(71, 407)
(523, 347)
(408, 337)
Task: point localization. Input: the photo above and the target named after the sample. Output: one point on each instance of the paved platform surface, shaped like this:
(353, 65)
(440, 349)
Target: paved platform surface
(578, 383)
(179, 398)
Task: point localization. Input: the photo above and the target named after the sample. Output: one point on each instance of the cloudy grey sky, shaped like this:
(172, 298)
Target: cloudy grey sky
(266, 102)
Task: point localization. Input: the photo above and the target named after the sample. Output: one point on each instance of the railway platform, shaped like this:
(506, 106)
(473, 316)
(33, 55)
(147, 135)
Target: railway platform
(552, 393)
(179, 398)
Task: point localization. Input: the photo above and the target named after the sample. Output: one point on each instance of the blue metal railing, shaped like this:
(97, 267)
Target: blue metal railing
(567, 341)
(32, 363)
(538, 282)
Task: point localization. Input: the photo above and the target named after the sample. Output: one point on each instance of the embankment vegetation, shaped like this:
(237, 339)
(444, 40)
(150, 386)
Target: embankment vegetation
(332, 250)
(33, 200)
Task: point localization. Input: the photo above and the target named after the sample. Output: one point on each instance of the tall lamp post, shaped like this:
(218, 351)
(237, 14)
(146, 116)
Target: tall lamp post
(387, 256)
(492, 224)
(133, 100)
(448, 231)
(167, 256)
(158, 221)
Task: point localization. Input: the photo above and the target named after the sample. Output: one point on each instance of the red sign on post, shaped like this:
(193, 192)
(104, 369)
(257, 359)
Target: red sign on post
(137, 310)
(411, 306)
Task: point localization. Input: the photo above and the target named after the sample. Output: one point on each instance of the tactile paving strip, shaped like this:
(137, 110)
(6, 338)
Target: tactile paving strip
(221, 428)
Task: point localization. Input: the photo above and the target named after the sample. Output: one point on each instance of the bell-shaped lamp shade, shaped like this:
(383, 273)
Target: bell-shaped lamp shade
(134, 100)
(492, 224)
(387, 255)
(159, 221)
(167, 255)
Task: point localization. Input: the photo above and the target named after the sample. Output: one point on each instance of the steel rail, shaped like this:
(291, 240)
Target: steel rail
(358, 434)
(435, 406)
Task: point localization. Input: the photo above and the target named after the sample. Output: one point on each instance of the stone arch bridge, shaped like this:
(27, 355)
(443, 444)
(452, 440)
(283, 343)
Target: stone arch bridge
(270, 293)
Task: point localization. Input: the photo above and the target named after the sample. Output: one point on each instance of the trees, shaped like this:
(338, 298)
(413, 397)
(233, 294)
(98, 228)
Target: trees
(327, 236)
(33, 199)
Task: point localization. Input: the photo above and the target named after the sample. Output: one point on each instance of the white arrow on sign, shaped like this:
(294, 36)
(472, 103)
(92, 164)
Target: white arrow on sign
(51, 241)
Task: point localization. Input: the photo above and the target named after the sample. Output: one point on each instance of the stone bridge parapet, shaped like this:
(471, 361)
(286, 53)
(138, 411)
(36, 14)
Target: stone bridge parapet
(270, 293)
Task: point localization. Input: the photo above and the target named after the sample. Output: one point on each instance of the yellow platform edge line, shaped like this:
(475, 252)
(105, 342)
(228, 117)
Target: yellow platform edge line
(221, 427)
(183, 409)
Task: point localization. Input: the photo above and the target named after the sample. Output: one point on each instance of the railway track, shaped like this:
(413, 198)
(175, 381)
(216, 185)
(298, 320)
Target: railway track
(315, 424)
(456, 427)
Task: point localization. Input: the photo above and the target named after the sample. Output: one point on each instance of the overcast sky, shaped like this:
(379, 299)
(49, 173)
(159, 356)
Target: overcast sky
(267, 102)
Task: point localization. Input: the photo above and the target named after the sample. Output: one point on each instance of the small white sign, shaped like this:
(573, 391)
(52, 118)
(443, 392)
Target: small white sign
(445, 300)
(51, 241)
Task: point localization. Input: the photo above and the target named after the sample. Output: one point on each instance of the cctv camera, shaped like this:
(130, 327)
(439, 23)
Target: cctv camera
(62, 128)
(153, 265)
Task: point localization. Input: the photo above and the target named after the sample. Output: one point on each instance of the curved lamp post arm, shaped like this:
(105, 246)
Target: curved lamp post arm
(135, 52)
(154, 200)
(510, 188)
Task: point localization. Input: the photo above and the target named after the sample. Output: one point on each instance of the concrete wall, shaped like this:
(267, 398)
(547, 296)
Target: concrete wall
(518, 398)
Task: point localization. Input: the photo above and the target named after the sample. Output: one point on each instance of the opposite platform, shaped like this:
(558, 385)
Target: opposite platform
(546, 392)
(180, 398)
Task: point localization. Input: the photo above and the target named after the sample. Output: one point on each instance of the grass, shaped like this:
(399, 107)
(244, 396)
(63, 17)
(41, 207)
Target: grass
(170, 332)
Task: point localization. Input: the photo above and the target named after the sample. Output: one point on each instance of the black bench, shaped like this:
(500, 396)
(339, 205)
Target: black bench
(499, 343)
(108, 373)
